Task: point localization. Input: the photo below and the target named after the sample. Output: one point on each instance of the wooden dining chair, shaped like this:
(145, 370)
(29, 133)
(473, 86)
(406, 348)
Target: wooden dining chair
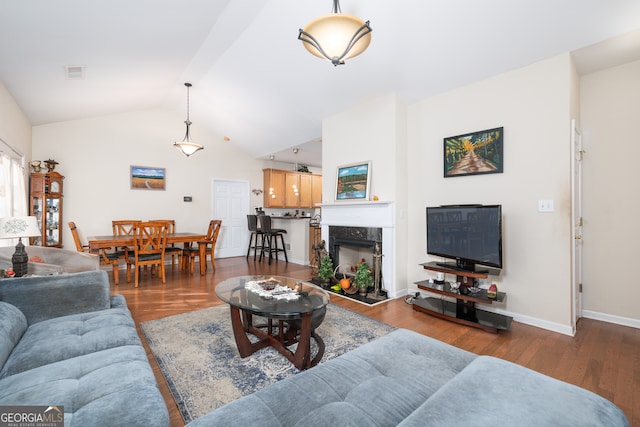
(189, 254)
(149, 242)
(172, 250)
(123, 227)
(106, 257)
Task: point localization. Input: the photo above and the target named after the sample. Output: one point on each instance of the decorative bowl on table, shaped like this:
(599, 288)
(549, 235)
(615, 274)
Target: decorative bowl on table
(268, 284)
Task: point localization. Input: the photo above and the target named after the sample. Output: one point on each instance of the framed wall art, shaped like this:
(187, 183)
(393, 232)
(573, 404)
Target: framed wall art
(353, 182)
(474, 153)
(147, 178)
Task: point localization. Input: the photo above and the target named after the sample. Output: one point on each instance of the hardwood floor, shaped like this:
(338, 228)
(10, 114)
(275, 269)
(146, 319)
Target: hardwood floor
(602, 357)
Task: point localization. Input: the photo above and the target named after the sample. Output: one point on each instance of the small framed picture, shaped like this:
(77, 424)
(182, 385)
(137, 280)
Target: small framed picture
(147, 178)
(474, 153)
(353, 182)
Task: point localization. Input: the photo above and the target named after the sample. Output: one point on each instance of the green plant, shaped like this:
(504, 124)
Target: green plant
(363, 277)
(325, 272)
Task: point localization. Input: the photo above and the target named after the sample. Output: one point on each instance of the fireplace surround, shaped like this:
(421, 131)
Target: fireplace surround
(361, 224)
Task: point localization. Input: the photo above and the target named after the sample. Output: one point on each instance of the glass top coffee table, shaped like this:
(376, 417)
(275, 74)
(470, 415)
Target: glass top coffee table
(290, 311)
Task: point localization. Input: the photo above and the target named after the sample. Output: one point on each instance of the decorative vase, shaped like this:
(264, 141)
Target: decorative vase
(363, 291)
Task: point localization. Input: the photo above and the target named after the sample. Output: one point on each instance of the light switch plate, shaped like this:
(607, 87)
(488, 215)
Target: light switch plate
(545, 205)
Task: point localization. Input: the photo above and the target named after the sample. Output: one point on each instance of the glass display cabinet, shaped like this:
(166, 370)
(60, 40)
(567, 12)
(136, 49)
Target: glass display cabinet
(46, 205)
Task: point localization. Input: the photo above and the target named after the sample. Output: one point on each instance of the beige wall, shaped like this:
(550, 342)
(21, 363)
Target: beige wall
(95, 156)
(373, 131)
(533, 106)
(15, 129)
(609, 117)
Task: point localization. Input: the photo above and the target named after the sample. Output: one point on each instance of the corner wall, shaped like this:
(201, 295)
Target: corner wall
(15, 128)
(609, 116)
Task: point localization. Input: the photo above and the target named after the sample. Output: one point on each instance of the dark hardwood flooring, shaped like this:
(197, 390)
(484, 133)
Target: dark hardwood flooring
(602, 357)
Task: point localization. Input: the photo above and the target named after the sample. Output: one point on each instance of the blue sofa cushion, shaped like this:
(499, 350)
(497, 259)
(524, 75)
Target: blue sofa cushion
(110, 387)
(41, 298)
(12, 328)
(378, 384)
(492, 392)
(67, 337)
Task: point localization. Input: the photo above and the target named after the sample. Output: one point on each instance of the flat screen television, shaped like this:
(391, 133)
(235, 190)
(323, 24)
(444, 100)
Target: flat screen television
(468, 234)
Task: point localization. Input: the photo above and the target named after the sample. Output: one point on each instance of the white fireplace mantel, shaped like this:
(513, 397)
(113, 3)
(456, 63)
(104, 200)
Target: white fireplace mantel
(358, 214)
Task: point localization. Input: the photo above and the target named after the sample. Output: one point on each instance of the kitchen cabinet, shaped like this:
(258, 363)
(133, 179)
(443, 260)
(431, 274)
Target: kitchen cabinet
(273, 180)
(290, 189)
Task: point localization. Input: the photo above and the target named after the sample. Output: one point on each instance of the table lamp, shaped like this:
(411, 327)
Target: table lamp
(19, 226)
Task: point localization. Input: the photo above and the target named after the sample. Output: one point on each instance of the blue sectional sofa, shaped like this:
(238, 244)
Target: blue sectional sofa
(408, 379)
(64, 341)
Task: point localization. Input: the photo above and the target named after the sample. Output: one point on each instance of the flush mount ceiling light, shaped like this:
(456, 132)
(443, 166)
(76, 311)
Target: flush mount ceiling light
(336, 36)
(186, 145)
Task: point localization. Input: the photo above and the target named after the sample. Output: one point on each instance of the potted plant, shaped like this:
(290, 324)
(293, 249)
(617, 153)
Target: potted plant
(363, 277)
(325, 272)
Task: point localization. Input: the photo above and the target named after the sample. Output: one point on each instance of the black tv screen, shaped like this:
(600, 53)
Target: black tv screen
(468, 234)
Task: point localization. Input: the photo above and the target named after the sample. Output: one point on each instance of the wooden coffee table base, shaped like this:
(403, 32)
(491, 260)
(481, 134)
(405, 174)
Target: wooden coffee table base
(242, 324)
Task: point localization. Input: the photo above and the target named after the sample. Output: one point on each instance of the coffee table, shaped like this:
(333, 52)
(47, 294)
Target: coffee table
(284, 322)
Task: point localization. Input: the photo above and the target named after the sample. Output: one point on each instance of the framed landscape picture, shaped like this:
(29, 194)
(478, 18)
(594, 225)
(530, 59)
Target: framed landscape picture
(147, 178)
(474, 153)
(353, 182)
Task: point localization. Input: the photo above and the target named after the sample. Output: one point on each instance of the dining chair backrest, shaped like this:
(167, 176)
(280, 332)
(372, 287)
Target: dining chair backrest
(123, 227)
(171, 224)
(76, 238)
(213, 231)
(149, 238)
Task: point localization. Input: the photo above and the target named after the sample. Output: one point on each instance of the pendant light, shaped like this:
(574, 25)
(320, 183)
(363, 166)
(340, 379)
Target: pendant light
(336, 36)
(187, 146)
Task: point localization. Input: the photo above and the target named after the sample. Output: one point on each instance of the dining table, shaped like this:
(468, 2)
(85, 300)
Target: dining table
(97, 243)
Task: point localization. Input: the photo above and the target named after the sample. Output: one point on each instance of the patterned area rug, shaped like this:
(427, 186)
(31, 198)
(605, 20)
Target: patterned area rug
(198, 356)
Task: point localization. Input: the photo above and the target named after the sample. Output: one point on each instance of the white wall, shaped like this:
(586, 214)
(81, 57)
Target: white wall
(533, 106)
(15, 128)
(609, 116)
(374, 131)
(95, 156)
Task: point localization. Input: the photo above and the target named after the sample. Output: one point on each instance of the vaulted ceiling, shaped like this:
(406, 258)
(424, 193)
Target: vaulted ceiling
(252, 79)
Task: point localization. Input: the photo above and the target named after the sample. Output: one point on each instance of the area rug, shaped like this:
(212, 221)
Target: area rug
(198, 357)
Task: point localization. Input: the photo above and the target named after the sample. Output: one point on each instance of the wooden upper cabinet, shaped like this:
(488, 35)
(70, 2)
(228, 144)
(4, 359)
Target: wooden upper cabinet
(316, 190)
(305, 190)
(290, 189)
(273, 195)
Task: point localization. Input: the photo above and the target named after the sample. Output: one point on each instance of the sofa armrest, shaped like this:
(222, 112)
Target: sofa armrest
(46, 297)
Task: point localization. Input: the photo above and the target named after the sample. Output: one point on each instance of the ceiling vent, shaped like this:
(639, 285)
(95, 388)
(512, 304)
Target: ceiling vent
(74, 72)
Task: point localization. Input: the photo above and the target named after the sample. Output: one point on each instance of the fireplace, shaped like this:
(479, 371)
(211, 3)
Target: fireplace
(351, 231)
(349, 245)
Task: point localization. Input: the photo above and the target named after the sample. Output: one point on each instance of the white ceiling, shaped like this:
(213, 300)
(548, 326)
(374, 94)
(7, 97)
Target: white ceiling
(252, 79)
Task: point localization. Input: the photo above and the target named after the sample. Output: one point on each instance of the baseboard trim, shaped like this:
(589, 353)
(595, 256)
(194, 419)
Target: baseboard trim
(610, 318)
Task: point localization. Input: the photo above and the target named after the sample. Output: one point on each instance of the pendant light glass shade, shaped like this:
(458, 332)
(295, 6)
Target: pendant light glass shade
(187, 146)
(336, 36)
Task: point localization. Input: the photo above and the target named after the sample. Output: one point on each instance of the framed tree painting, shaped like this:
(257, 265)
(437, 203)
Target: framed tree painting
(474, 153)
(147, 178)
(353, 182)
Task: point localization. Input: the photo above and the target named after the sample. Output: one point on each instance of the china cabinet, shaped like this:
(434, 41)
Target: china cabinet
(45, 203)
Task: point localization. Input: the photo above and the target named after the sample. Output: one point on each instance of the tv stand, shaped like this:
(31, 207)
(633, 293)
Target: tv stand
(456, 267)
(464, 310)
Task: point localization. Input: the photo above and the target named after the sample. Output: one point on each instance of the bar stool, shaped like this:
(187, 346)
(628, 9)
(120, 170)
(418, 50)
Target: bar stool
(256, 237)
(270, 235)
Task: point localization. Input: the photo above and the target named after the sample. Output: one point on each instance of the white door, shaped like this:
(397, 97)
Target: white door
(231, 204)
(576, 220)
